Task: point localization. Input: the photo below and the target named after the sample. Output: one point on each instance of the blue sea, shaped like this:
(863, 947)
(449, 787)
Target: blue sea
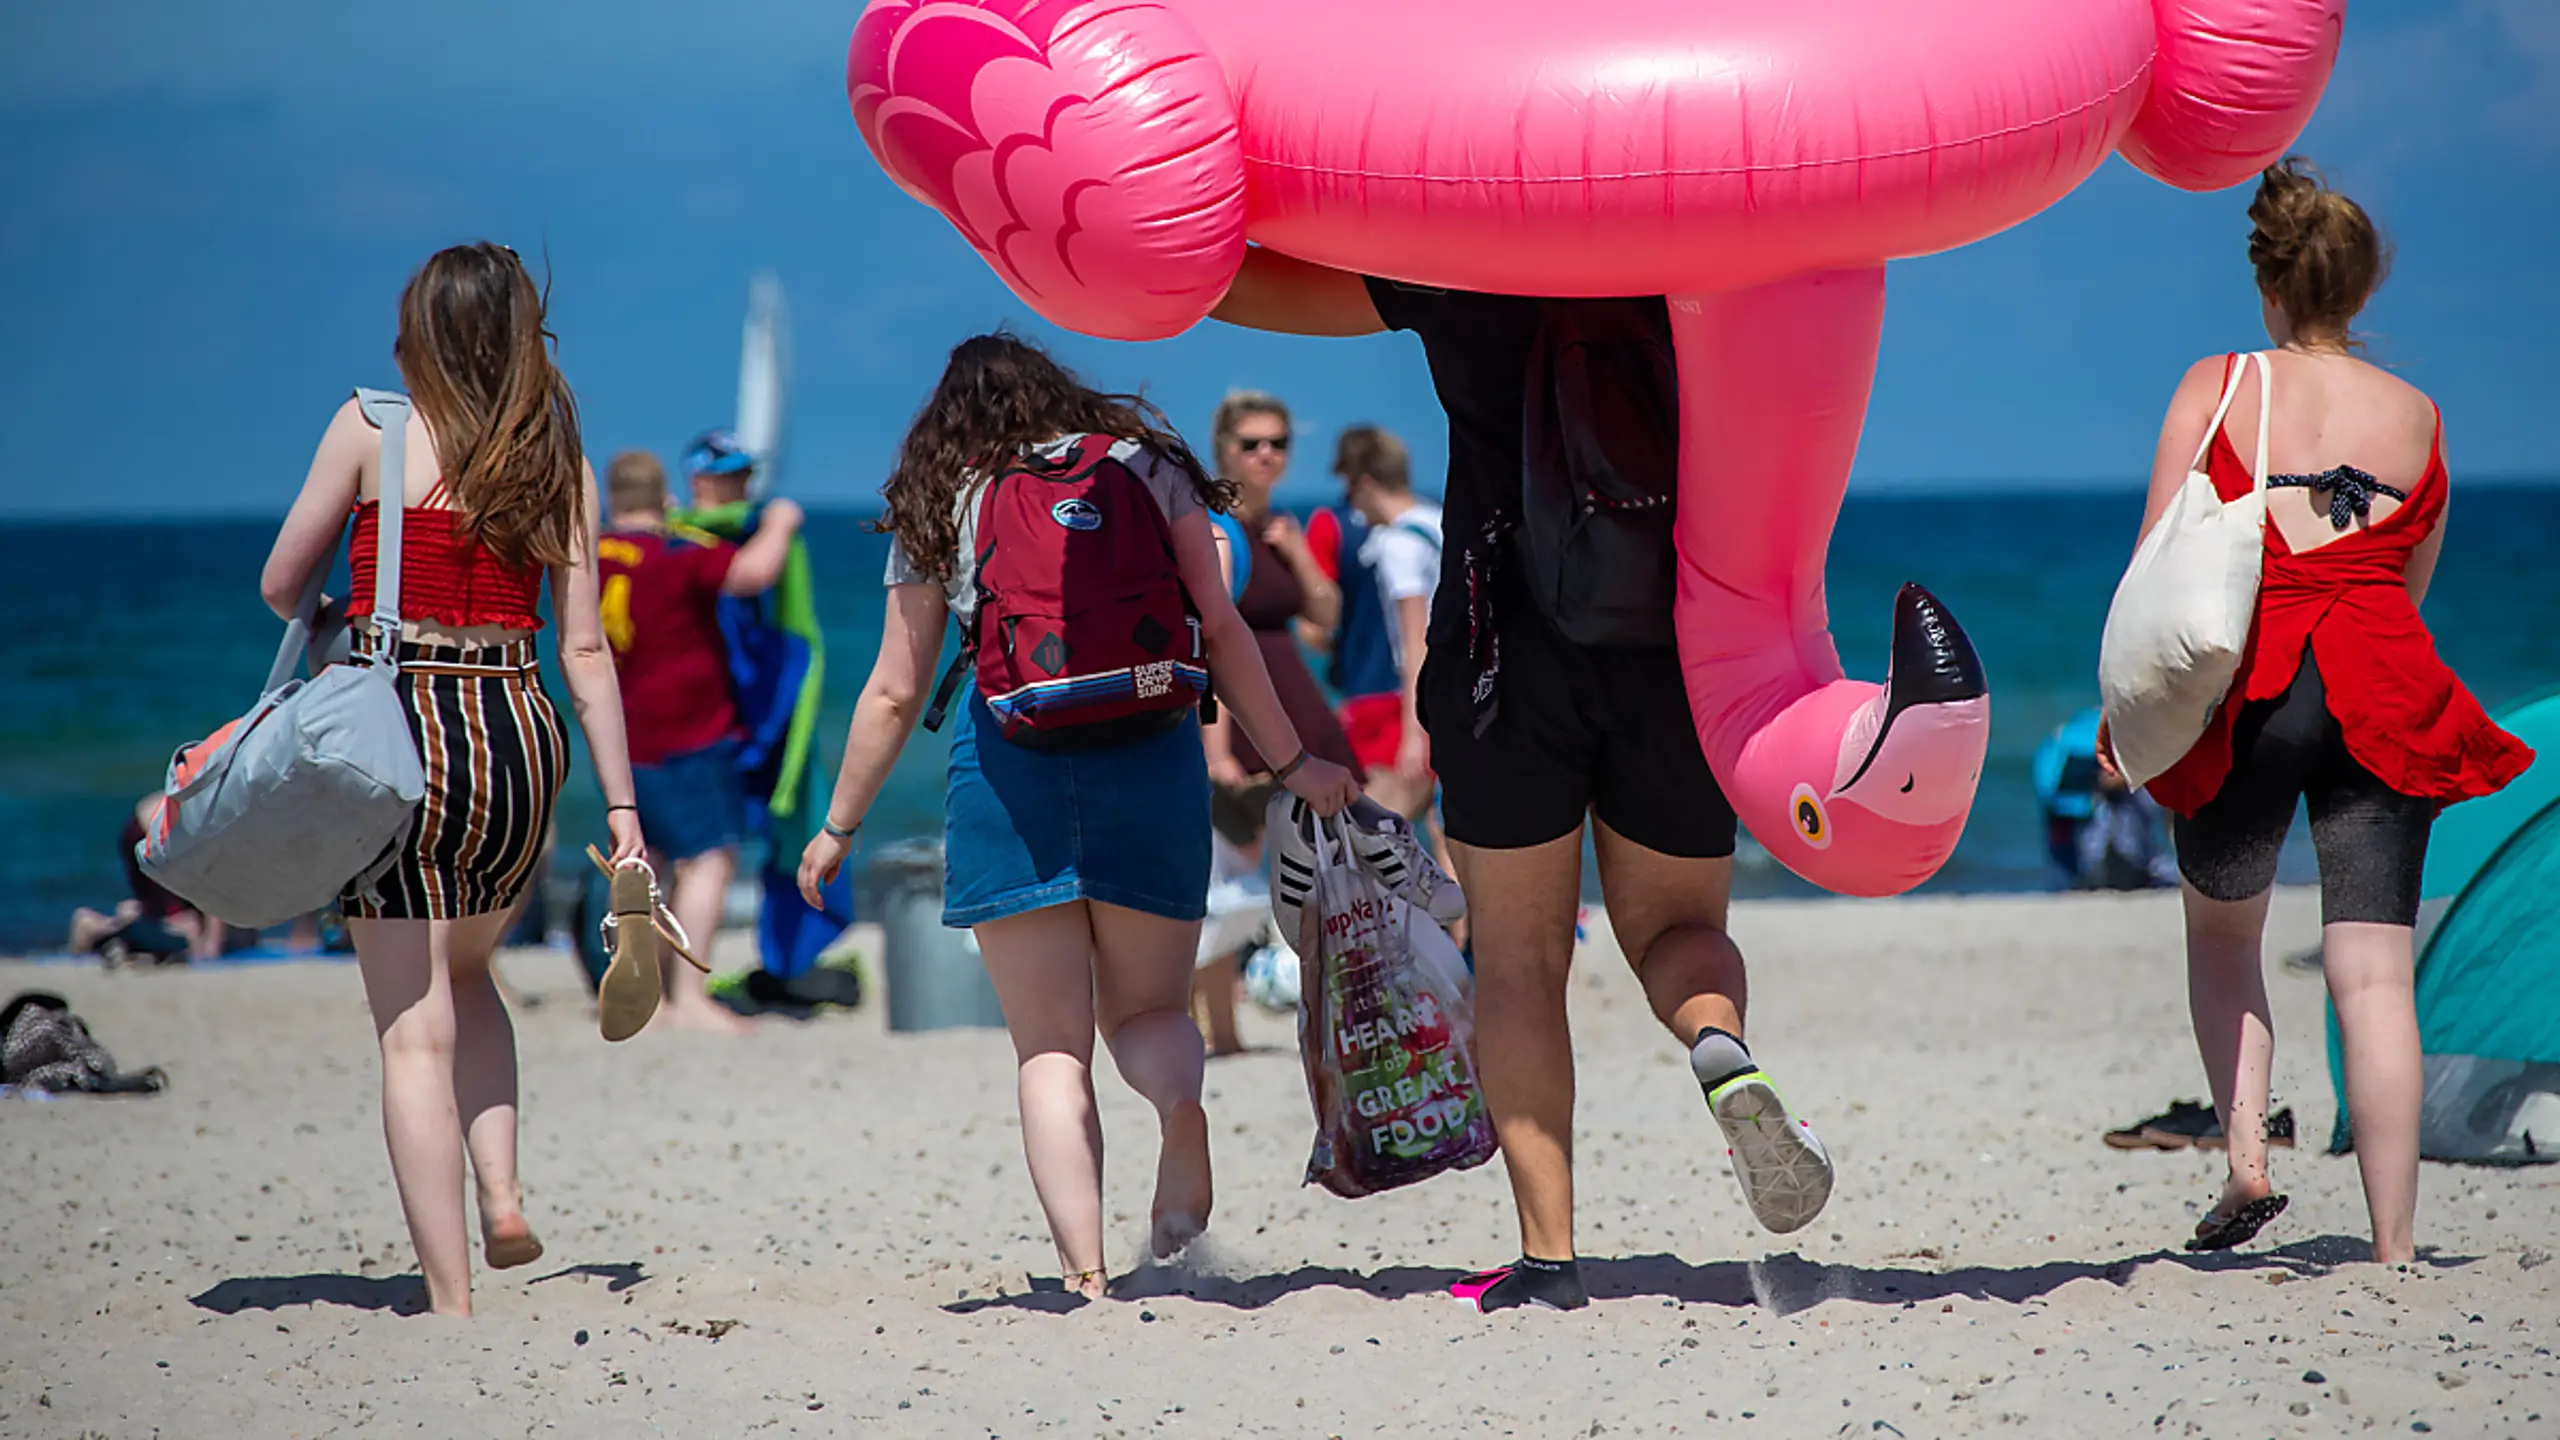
(126, 640)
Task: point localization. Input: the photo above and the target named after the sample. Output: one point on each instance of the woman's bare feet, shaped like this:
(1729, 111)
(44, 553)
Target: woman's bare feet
(1091, 1284)
(506, 1240)
(1183, 1193)
(698, 1011)
(2238, 1191)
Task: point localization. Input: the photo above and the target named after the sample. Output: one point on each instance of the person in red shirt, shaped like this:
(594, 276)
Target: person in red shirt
(661, 593)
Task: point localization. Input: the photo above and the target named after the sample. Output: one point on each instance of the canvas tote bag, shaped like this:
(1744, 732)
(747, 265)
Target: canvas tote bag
(272, 815)
(2182, 613)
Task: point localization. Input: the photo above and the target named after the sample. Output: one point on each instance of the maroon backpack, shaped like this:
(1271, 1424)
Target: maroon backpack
(1084, 635)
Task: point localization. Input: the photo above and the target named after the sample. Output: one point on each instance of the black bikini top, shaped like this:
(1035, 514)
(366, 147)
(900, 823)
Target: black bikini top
(2351, 492)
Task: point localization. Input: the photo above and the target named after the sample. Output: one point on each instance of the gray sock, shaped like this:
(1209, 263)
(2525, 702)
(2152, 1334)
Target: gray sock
(1718, 1057)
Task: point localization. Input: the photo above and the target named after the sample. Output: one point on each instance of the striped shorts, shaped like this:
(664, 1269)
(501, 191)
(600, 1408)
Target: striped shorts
(495, 754)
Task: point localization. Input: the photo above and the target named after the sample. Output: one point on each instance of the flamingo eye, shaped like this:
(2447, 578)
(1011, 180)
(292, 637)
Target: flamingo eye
(1805, 812)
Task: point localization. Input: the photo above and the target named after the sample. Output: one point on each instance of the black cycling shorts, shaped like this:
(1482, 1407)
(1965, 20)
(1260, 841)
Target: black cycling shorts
(2370, 838)
(1603, 732)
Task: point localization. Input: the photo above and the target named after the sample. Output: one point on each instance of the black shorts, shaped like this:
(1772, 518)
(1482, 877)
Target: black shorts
(1604, 732)
(2370, 838)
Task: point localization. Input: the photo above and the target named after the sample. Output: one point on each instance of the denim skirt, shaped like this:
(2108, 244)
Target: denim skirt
(1027, 829)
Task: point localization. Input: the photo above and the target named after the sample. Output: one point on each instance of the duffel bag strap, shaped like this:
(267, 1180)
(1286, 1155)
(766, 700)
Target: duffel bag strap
(388, 411)
(302, 636)
(302, 632)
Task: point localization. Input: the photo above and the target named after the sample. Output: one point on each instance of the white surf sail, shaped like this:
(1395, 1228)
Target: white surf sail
(764, 378)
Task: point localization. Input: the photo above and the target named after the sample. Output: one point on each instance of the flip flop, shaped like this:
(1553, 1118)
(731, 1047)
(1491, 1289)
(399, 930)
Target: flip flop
(2222, 1231)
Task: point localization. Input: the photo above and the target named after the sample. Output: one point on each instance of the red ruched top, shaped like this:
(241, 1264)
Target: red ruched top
(445, 576)
(2404, 715)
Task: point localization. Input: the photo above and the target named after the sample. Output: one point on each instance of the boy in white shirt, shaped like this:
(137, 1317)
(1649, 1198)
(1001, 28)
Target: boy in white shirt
(1401, 549)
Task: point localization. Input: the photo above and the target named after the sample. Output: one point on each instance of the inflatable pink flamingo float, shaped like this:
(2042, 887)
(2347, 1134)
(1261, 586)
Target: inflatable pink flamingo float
(1757, 161)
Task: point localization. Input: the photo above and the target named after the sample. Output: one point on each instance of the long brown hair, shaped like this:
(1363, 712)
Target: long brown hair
(2316, 252)
(1000, 396)
(476, 353)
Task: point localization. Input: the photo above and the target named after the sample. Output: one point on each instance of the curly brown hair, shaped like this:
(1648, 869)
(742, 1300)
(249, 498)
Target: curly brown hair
(999, 396)
(476, 350)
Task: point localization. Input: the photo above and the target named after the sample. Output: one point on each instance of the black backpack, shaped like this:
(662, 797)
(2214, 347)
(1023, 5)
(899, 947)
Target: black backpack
(1600, 483)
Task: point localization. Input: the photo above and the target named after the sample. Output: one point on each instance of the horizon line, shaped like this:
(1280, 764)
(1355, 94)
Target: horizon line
(869, 505)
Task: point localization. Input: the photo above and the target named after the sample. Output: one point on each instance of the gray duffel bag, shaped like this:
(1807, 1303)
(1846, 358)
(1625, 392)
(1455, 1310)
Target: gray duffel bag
(274, 814)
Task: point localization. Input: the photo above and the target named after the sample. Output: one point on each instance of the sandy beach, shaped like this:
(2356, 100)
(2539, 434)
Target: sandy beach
(828, 1230)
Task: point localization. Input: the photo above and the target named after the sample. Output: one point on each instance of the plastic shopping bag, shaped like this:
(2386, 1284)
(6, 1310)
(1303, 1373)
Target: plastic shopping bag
(1386, 1026)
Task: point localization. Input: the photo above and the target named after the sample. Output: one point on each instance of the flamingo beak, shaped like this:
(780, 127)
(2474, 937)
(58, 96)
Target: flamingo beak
(1914, 755)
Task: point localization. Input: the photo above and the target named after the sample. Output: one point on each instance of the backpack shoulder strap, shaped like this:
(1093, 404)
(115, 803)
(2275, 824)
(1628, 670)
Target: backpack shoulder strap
(940, 710)
(388, 411)
(966, 657)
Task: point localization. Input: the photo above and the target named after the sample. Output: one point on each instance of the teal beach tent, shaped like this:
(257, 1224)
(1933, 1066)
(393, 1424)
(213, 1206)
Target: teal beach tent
(2488, 980)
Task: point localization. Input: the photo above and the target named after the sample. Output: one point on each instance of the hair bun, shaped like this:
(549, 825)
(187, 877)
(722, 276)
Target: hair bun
(2315, 250)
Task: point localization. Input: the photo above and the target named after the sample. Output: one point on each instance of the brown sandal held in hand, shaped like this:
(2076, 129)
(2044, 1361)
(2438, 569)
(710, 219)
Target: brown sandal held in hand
(627, 997)
(671, 932)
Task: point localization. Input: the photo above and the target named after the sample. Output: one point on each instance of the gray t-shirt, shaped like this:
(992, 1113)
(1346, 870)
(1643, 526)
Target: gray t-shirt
(1167, 481)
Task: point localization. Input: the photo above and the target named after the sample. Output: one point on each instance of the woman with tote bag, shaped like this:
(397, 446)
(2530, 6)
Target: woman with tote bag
(494, 496)
(2337, 696)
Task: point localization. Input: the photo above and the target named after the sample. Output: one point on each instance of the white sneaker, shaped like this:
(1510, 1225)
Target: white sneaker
(1289, 834)
(1785, 1173)
(1385, 845)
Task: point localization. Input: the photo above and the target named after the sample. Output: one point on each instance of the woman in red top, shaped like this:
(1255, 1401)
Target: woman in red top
(498, 496)
(2341, 701)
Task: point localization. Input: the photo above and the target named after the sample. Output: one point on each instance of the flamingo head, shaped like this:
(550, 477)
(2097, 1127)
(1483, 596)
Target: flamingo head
(1903, 780)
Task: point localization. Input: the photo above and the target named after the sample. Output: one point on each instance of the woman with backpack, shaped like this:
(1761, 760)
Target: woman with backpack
(2340, 699)
(496, 497)
(1068, 531)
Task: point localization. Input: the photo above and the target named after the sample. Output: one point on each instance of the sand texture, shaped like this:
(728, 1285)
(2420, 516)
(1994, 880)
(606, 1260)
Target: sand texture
(828, 1230)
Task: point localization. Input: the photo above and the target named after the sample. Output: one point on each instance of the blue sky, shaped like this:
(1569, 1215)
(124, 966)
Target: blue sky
(211, 210)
